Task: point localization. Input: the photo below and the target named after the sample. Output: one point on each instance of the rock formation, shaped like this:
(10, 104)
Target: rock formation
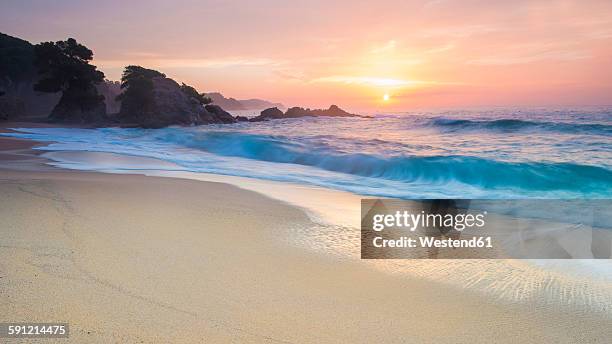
(151, 100)
(17, 78)
(80, 106)
(333, 111)
(295, 112)
(215, 114)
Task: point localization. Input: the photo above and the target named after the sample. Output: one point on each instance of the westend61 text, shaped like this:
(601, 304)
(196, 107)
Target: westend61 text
(431, 242)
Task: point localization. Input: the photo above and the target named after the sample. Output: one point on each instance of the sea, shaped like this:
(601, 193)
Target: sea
(495, 153)
(487, 153)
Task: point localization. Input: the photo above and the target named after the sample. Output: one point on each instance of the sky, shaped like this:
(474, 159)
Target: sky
(420, 54)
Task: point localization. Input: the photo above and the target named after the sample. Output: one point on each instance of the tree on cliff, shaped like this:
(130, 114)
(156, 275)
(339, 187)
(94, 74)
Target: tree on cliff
(137, 97)
(64, 67)
(193, 93)
(16, 56)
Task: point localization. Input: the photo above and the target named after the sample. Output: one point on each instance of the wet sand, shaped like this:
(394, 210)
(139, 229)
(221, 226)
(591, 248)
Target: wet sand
(131, 258)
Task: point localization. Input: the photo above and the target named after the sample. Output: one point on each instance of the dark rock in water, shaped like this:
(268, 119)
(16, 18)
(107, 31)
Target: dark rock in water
(333, 111)
(271, 113)
(296, 112)
(241, 119)
(219, 115)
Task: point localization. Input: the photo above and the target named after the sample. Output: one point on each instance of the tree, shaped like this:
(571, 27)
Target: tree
(137, 96)
(64, 67)
(193, 93)
(16, 57)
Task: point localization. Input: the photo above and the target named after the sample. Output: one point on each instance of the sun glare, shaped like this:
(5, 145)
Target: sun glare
(386, 97)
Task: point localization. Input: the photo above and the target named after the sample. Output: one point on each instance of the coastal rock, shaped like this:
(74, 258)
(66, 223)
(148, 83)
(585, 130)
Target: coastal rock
(162, 104)
(88, 109)
(17, 77)
(172, 106)
(296, 112)
(333, 111)
(241, 119)
(167, 104)
(219, 115)
(271, 113)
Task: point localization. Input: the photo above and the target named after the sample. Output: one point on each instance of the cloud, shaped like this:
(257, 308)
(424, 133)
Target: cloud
(440, 49)
(373, 81)
(189, 63)
(389, 46)
(522, 59)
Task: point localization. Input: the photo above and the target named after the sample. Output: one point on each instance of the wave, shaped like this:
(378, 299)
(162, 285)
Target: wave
(509, 125)
(434, 170)
(361, 164)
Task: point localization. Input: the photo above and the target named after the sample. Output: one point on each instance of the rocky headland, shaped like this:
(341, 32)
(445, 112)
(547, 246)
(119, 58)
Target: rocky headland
(56, 82)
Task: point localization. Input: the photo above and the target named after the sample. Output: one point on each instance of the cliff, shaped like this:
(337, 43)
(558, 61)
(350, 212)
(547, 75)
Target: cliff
(164, 104)
(18, 75)
(17, 78)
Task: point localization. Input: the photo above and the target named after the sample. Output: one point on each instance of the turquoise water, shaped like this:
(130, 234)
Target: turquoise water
(501, 153)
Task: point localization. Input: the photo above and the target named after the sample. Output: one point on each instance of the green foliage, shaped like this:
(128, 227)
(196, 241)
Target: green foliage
(133, 75)
(64, 65)
(137, 85)
(193, 93)
(16, 57)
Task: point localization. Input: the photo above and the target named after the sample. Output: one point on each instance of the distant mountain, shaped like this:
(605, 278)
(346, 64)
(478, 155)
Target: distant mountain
(232, 104)
(258, 104)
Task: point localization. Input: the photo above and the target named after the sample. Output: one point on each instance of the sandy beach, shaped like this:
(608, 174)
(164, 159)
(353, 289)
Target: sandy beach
(141, 259)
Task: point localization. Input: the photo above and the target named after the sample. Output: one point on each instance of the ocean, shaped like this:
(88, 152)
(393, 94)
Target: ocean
(492, 153)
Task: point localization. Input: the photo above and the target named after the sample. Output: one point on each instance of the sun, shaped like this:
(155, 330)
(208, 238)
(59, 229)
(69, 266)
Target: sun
(386, 97)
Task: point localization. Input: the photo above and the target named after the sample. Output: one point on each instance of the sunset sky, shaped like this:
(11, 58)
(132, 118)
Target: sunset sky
(421, 54)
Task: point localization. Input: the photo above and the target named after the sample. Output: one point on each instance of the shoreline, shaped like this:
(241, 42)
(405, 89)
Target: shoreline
(336, 218)
(160, 248)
